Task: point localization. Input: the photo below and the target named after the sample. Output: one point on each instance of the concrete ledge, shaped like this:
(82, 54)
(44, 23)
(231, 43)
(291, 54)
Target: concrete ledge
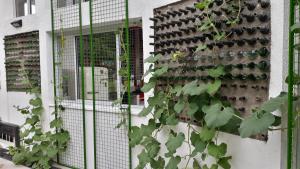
(5, 164)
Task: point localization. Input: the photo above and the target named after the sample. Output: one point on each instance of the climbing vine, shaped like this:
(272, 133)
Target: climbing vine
(39, 149)
(202, 103)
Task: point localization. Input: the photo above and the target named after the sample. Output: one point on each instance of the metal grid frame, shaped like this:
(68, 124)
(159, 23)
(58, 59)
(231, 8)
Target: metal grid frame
(84, 79)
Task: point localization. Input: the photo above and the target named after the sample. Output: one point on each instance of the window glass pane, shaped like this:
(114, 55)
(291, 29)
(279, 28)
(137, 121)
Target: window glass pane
(32, 7)
(105, 67)
(21, 7)
(137, 65)
(61, 3)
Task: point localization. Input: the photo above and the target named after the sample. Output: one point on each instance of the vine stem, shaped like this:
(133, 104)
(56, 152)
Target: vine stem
(238, 117)
(190, 147)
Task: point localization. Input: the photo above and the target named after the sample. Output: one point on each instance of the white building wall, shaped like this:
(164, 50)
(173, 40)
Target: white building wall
(247, 153)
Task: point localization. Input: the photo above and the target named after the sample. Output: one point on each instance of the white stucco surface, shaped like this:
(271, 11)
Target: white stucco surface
(247, 153)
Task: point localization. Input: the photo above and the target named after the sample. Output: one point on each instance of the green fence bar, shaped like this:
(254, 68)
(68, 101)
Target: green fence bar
(54, 64)
(92, 55)
(82, 83)
(290, 87)
(128, 78)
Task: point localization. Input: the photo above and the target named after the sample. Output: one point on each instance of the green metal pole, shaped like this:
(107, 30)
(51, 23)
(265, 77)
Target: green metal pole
(290, 87)
(82, 82)
(128, 78)
(54, 65)
(93, 80)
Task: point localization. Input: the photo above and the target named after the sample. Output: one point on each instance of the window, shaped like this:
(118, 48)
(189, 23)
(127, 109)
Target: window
(108, 62)
(25, 7)
(64, 3)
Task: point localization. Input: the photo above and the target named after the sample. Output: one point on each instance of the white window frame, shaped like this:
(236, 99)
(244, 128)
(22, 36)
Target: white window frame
(29, 10)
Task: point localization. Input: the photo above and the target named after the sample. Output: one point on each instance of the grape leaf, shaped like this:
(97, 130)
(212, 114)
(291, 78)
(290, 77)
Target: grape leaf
(172, 120)
(219, 71)
(214, 87)
(174, 142)
(217, 151)
(224, 162)
(207, 134)
(153, 59)
(196, 165)
(217, 115)
(193, 89)
(256, 124)
(148, 86)
(173, 163)
(144, 159)
(274, 103)
(158, 164)
(193, 108)
(179, 106)
(197, 143)
(161, 71)
(146, 111)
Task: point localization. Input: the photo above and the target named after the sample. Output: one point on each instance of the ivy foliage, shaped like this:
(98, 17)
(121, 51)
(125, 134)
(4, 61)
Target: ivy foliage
(202, 103)
(39, 149)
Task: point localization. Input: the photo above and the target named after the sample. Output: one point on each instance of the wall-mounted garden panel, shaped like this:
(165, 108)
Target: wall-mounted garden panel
(22, 58)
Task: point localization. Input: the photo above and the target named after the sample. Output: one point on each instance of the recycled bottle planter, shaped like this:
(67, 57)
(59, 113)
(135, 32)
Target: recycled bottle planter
(250, 31)
(263, 52)
(250, 5)
(263, 66)
(264, 3)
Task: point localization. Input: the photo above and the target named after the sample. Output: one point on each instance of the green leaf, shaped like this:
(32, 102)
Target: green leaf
(37, 102)
(196, 165)
(193, 108)
(137, 134)
(152, 146)
(274, 103)
(207, 134)
(57, 123)
(179, 106)
(172, 120)
(33, 120)
(296, 79)
(256, 124)
(197, 143)
(24, 111)
(219, 71)
(217, 151)
(295, 28)
(224, 162)
(213, 88)
(176, 90)
(217, 115)
(190, 87)
(161, 71)
(205, 167)
(148, 86)
(173, 163)
(146, 111)
(193, 89)
(144, 159)
(51, 152)
(37, 111)
(214, 166)
(158, 113)
(158, 164)
(174, 142)
(153, 59)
